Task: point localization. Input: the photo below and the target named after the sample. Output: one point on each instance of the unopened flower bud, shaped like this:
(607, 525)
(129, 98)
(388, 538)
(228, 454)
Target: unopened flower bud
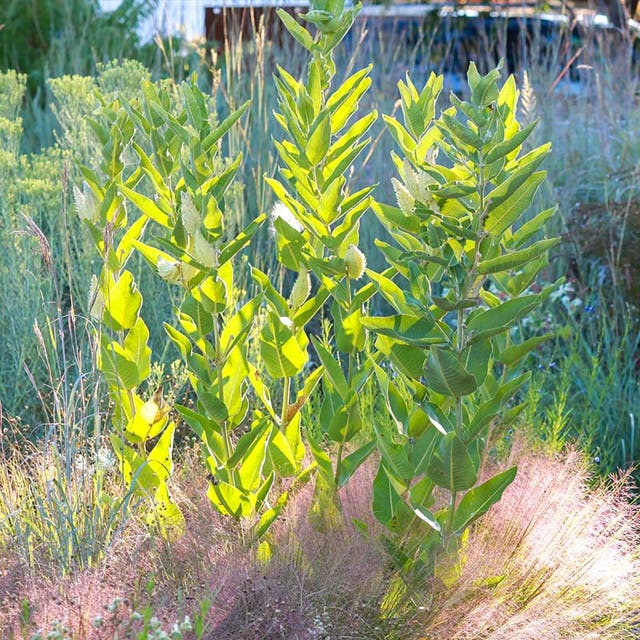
(168, 270)
(203, 252)
(355, 262)
(87, 204)
(190, 216)
(301, 289)
(96, 299)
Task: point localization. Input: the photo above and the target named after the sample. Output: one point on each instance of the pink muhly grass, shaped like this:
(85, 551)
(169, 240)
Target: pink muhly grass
(563, 560)
(319, 583)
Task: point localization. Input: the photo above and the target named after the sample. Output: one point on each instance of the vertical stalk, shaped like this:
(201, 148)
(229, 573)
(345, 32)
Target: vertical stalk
(286, 390)
(459, 419)
(216, 338)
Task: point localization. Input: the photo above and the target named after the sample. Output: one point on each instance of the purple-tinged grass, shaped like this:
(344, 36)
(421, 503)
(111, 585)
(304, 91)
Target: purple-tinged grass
(554, 560)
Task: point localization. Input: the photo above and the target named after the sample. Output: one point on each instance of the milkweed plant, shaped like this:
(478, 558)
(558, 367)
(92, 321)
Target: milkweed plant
(463, 249)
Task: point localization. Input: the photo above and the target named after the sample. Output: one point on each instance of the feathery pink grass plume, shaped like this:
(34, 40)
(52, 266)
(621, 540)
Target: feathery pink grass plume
(565, 560)
(552, 561)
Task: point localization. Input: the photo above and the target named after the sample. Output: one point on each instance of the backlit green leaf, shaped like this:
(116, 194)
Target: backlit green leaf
(451, 466)
(480, 499)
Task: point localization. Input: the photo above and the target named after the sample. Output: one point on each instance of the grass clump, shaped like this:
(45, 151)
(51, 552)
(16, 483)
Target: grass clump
(553, 559)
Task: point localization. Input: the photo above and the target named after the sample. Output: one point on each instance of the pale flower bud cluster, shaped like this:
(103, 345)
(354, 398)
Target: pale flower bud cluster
(355, 262)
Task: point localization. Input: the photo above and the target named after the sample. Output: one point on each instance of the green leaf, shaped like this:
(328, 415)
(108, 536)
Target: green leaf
(451, 466)
(296, 29)
(504, 148)
(194, 318)
(290, 244)
(534, 225)
(230, 500)
(212, 294)
(137, 347)
(476, 358)
(345, 423)
(179, 339)
(351, 462)
(511, 355)
(134, 469)
(160, 458)
(503, 212)
(407, 329)
(213, 406)
(426, 516)
(351, 136)
(343, 102)
(165, 514)
(445, 374)
(388, 506)
(515, 259)
(270, 515)
(319, 139)
(505, 314)
(421, 451)
(401, 301)
(250, 455)
(117, 365)
(280, 349)
(405, 358)
(401, 135)
(484, 89)
(282, 456)
(458, 132)
(393, 454)
(277, 302)
(480, 499)
(147, 206)
(333, 370)
(224, 126)
(323, 461)
(205, 430)
(396, 404)
(122, 302)
(240, 241)
(349, 331)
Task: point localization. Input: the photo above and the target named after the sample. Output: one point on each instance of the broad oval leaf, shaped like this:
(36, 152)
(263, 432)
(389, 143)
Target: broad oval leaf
(479, 500)
(451, 465)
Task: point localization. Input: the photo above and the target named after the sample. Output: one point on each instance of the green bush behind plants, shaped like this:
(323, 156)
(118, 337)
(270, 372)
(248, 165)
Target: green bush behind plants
(43, 37)
(585, 381)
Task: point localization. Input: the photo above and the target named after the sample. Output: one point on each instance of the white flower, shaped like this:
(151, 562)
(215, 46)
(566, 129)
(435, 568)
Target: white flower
(168, 270)
(287, 322)
(105, 459)
(281, 211)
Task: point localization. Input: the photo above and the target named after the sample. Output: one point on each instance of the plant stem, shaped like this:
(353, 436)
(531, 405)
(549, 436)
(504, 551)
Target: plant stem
(216, 338)
(286, 390)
